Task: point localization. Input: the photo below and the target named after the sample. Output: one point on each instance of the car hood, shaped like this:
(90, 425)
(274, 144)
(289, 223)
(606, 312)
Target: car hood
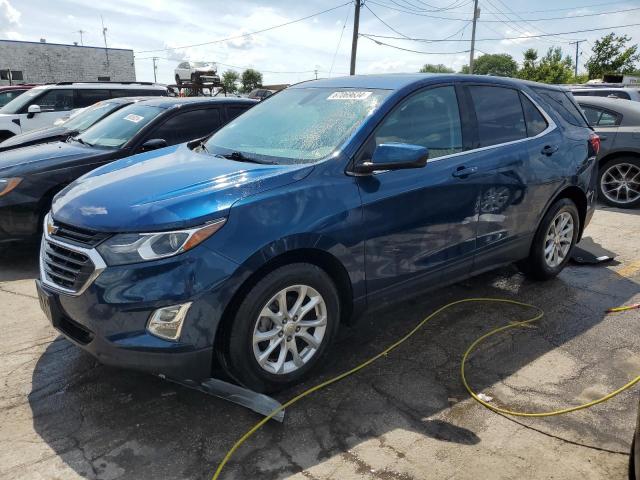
(166, 189)
(34, 136)
(36, 158)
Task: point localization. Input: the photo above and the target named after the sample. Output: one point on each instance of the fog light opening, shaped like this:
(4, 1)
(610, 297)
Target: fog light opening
(167, 322)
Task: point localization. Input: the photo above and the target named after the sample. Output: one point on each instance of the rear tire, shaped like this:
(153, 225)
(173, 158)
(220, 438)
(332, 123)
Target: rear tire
(618, 182)
(553, 242)
(269, 347)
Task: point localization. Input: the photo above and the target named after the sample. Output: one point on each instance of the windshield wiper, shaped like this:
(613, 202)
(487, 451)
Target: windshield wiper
(79, 140)
(241, 157)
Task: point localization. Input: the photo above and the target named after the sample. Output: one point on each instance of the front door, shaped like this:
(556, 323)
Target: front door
(54, 104)
(420, 220)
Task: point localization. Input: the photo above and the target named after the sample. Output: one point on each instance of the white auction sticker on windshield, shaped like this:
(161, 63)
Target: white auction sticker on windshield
(133, 118)
(349, 95)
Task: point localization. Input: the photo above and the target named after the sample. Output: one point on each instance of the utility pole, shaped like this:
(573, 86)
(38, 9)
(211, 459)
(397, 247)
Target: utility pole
(316, 73)
(104, 35)
(354, 42)
(575, 68)
(155, 69)
(81, 32)
(476, 14)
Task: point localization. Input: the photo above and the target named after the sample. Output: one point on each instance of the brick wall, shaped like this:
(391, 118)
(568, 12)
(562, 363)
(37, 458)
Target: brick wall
(48, 62)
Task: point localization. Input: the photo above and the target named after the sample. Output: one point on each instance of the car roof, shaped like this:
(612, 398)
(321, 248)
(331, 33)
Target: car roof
(619, 105)
(101, 86)
(16, 87)
(176, 102)
(397, 81)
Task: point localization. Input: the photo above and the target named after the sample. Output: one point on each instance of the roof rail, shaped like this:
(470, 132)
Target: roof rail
(114, 83)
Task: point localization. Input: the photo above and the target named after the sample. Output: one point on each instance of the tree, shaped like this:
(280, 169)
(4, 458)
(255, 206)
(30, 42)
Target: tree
(611, 55)
(251, 79)
(529, 65)
(498, 64)
(230, 81)
(431, 68)
(552, 68)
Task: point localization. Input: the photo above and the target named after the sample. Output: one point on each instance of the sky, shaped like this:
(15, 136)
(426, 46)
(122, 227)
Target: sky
(291, 53)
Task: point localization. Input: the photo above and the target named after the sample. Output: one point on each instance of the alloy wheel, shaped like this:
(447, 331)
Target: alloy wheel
(290, 329)
(558, 239)
(620, 183)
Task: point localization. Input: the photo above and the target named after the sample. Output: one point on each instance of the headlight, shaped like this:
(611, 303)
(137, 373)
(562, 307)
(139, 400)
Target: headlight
(140, 247)
(8, 184)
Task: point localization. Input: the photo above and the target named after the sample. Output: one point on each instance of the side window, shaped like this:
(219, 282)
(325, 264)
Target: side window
(429, 118)
(592, 114)
(580, 93)
(54, 101)
(536, 124)
(187, 126)
(612, 94)
(85, 97)
(499, 114)
(233, 112)
(563, 104)
(601, 118)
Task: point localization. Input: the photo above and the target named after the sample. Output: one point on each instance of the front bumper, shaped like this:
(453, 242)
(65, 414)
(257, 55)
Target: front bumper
(108, 318)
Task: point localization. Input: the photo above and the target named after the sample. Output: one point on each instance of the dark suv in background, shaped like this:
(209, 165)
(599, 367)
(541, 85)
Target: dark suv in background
(31, 176)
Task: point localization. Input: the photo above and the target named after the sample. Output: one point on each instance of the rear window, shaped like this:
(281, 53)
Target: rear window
(564, 105)
(536, 123)
(499, 114)
(612, 94)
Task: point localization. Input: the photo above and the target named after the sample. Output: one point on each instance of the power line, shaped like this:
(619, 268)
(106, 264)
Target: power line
(335, 54)
(571, 8)
(498, 12)
(410, 50)
(247, 34)
(427, 40)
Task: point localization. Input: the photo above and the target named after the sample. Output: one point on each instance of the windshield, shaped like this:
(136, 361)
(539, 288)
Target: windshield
(299, 125)
(200, 64)
(117, 129)
(15, 105)
(89, 116)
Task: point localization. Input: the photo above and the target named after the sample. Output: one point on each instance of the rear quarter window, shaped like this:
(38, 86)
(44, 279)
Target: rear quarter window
(563, 103)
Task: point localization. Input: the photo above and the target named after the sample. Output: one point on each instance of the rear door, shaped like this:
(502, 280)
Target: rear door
(513, 157)
(419, 221)
(605, 123)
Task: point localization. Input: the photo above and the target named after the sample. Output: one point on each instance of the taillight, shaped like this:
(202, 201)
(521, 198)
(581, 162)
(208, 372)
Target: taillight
(594, 143)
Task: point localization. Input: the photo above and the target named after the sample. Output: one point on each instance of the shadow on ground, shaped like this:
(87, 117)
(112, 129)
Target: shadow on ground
(109, 423)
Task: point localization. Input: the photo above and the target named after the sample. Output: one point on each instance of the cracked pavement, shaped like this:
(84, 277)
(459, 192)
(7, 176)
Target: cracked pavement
(407, 416)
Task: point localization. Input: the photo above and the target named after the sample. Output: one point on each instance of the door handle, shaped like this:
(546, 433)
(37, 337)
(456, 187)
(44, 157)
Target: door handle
(549, 150)
(464, 172)
(602, 137)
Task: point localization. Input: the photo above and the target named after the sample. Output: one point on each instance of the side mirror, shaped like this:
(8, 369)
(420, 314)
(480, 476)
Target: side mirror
(153, 144)
(32, 110)
(394, 156)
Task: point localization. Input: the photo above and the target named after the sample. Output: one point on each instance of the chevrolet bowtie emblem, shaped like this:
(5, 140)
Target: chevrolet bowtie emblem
(51, 228)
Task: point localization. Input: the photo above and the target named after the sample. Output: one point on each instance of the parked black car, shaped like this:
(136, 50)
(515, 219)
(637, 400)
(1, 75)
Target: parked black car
(69, 128)
(617, 122)
(31, 176)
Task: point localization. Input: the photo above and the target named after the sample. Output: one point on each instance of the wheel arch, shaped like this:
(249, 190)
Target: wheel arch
(617, 154)
(577, 196)
(320, 258)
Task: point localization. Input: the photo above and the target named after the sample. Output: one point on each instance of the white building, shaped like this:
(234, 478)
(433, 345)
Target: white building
(41, 62)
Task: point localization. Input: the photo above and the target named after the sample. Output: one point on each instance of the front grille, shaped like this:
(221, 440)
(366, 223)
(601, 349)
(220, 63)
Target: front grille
(65, 268)
(79, 236)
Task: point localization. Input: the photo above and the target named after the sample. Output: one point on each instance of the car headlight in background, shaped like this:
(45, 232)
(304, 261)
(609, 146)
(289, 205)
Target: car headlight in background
(127, 248)
(8, 184)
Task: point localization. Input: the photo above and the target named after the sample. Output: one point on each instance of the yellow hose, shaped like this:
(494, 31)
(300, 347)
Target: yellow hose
(467, 353)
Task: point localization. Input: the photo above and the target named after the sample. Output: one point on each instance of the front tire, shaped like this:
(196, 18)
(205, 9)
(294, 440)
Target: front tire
(283, 328)
(553, 242)
(619, 182)
(178, 80)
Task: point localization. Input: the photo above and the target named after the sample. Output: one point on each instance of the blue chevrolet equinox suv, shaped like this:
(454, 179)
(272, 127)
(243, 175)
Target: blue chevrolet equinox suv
(330, 198)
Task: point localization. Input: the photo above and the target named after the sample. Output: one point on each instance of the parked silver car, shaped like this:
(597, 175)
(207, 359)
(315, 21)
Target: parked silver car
(625, 93)
(617, 122)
